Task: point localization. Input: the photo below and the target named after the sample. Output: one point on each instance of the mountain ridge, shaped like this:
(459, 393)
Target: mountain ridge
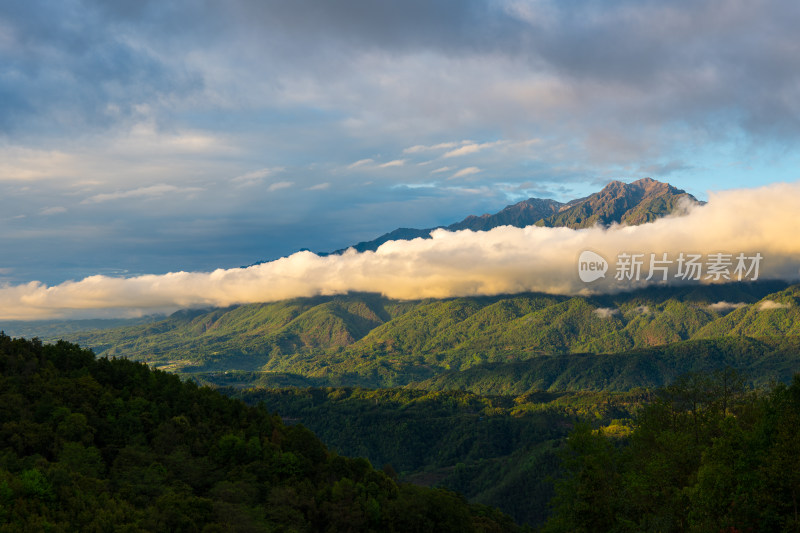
(366, 339)
(634, 203)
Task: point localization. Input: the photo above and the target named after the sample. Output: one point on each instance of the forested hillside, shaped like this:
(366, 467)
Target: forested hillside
(705, 456)
(109, 445)
(760, 361)
(492, 386)
(498, 450)
(368, 340)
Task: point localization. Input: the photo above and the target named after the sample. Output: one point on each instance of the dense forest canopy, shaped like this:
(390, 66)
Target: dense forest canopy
(110, 445)
(706, 455)
(479, 396)
(371, 341)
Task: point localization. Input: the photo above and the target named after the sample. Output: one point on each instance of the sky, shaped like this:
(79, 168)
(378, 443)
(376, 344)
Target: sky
(147, 137)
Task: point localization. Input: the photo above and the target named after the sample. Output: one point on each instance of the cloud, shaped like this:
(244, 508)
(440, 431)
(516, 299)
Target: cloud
(471, 148)
(724, 307)
(441, 169)
(361, 163)
(465, 172)
(280, 185)
(766, 305)
(414, 186)
(28, 164)
(99, 99)
(395, 163)
(463, 263)
(606, 312)
(256, 176)
(319, 187)
(570, 70)
(370, 163)
(422, 148)
(53, 210)
(464, 150)
(152, 191)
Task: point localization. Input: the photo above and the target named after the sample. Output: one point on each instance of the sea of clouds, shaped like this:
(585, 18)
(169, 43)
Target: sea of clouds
(462, 263)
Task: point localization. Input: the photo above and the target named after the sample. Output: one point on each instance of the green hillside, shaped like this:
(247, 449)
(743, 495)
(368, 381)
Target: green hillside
(706, 455)
(761, 361)
(497, 450)
(368, 340)
(774, 315)
(109, 445)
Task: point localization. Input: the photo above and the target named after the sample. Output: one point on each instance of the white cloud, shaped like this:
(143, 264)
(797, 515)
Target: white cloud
(441, 169)
(371, 163)
(144, 138)
(361, 163)
(471, 148)
(28, 164)
(463, 263)
(464, 150)
(767, 305)
(280, 185)
(53, 210)
(465, 172)
(395, 163)
(422, 148)
(414, 186)
(256, 176)
(319, 187)
(152, 191)
(606, 312)
(724, 307)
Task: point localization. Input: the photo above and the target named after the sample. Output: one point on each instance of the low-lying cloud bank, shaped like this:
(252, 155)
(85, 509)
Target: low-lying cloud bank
(725, 307)
(766, 305)
(606, 312)
(462, 263)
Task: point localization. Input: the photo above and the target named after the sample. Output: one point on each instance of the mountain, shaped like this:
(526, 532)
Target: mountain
(110, 445)
(57, 328)
(705, 455)
(775, 315)
(497, 451)
(634, 203)
(760, 360)
(369, 340)
(520, 215)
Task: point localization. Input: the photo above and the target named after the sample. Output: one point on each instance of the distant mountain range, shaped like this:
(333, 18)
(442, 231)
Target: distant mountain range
(634, 203)
(369, 340)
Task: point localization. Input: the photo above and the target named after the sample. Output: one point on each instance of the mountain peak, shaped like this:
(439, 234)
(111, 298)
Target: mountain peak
(638, 202)
(521, 214)
(645, 187)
